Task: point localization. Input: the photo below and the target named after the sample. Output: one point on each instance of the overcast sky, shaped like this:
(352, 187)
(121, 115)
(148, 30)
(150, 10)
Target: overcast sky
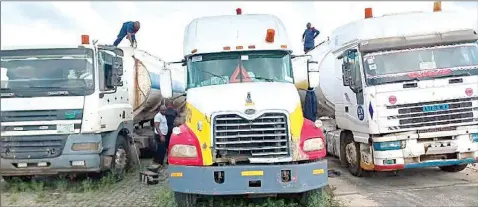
(163, 23)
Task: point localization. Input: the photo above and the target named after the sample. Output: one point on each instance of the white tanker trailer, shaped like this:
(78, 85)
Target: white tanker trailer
(396, 93)
(144, 91)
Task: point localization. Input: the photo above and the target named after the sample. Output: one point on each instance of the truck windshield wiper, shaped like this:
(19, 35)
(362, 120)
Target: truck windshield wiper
(401, 81)
(262, 78)
(215, 75)
(457, 75)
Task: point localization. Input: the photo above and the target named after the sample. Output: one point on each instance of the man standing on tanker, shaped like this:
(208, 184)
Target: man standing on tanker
(128, 30)
(309, 36)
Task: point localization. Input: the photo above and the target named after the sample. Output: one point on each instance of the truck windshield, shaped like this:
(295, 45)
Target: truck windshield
(238, 67)
(419, 64)
(47, 72)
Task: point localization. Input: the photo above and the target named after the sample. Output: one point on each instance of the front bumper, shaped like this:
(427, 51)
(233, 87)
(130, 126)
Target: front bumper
(237, 179)
(61, 164)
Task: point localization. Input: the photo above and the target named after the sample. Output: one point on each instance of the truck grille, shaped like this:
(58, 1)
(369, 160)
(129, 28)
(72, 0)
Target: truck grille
(32, 147)
(41, 115)
(437, 113)
(264, 137)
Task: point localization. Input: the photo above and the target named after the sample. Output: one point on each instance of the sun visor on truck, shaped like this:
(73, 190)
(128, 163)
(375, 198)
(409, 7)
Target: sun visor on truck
(427, 40)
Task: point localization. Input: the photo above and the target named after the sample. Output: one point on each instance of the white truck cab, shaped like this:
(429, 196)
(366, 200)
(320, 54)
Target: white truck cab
(64, 110)
(244, 132)
(401, 91)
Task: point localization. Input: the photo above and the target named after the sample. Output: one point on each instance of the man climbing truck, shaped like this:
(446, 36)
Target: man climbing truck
(401, 95)
(244, 131)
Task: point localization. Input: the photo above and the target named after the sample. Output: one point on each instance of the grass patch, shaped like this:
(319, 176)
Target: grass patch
(53, 188)
(165, 198)
(61, 184)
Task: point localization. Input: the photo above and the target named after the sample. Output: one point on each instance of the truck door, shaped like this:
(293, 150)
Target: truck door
(355, 113)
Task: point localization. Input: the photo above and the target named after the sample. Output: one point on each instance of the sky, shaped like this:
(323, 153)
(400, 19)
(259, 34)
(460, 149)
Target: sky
(57, 23)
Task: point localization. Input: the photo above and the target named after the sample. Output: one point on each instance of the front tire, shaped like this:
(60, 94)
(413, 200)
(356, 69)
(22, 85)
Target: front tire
(352, 156)
(121, 159)
(185, 199)
(453, 168)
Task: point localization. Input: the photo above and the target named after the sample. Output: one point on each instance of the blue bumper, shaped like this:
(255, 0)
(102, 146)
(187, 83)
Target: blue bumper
(61, 164)
(440, 163)
(266, 179)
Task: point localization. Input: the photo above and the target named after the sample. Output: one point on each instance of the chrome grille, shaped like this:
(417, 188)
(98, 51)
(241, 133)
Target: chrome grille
(264, 137)
(413, 116)
(32, 147)
(41, 115)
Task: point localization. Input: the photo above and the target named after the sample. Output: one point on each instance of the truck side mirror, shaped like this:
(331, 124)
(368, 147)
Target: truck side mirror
(312, 73)
(118, 65)
(346, 72)
(117, 71)
(166, 83)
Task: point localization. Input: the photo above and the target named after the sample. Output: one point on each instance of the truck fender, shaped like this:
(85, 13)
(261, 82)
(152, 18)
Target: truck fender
(109, 138)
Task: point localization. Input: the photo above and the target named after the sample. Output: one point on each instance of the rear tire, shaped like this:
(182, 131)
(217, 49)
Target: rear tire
(453, 168)
(352, 156)
(185, 199)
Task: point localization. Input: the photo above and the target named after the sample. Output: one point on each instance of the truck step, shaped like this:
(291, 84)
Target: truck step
(149, 177)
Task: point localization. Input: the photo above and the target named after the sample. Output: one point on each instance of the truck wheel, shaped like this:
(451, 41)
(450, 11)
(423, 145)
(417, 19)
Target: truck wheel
(121, 158)
(185, 199)
(453, 168)
(16, 179)
(352, 155)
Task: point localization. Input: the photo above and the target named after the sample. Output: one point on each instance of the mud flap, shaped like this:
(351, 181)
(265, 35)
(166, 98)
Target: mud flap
(135, 162)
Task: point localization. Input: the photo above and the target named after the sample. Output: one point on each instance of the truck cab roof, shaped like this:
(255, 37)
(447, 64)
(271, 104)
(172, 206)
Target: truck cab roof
(213, 34)
(31, 47)
(397, 25)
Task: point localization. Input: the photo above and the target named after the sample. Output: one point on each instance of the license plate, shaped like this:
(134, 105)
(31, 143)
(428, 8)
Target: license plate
(65, 128)
(440, 148)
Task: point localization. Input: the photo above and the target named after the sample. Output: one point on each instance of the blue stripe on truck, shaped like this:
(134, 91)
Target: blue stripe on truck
(177, 86)
(440, 163)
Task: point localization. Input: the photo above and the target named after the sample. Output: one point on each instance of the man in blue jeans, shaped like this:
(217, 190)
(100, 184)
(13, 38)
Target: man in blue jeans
(308, 37)
(128, 30)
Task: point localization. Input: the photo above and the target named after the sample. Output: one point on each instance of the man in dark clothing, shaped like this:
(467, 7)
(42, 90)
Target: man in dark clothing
(308, 37)
(128, 30)
(171, 115)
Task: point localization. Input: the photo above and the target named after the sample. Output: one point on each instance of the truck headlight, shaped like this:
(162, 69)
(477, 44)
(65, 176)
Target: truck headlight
(393, 145)
(318, 123)
(87, 146)
(314, 144)
(181, 150)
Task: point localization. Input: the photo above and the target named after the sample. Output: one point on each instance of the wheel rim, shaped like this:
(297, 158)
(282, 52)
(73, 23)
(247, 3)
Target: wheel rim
(120, 160)
(351, 154)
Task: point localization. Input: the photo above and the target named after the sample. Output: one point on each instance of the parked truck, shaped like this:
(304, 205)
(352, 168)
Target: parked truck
(244, 131)
(72, 109)
(400, 91)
